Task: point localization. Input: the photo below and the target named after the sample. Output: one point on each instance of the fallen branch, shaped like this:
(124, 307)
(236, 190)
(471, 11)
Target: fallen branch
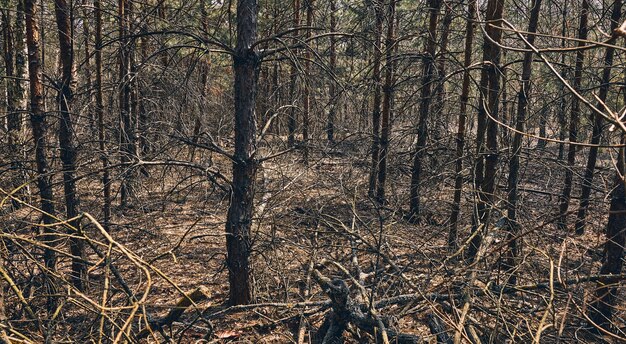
(438, 329)
(346, 311)
(198, 295)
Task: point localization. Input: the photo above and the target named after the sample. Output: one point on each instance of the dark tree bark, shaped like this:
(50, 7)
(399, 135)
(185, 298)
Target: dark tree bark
(87, 66)
(602, 309)
(20, 61)
(246, 64)
(565, 197)
(13, 115)
(205, 67)
(291, 121)
(127, 132)
(428, 76)
(376, 83)
(7, 49)
(440, 90)
(506, 134)
(598, 122)
(99, 109)
(67, 135)
(562, 103)
(306, 106)
(520, 121)
(332, 87)
(487, 157)
(276, 97)
(20, 84)
(39, 126)
(460, 136)
(385, 123)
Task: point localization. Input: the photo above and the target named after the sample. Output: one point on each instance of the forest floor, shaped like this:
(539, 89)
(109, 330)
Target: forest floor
(309, 216)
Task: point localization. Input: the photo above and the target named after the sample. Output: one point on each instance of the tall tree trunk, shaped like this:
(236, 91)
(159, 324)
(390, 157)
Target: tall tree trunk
(504, 114)
(67, 135)
(277, 97)
(385, 124)
(428, 73)
(205, 68)
(520, 121)
(20, 58)
(332, 88)
(376, 83)
(13, 115)
(601, 310)
(306, 106)
(39, 126)
(87, 68)
(106, 182)
(565, 197)
(487, 157)
(597, 125)
(246, 64)
(276, 89)
(140, 108)
(460, 136)
(291, 122)
(562, 104)
(20, 85)
(7, 48)
(127, 132)
(440, 90)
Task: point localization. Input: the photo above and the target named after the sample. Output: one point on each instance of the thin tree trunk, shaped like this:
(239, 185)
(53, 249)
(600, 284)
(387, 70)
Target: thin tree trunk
(106, 182)
(13, 115)
(276, 97)
(440, 90)
(306, 106)
(561, 116)
(88, 77)
(67, 142)
(597, 125)
(127, 134)
(520, 121)
(291, 122)
(141, 115)
(275, 126)
(487, 159)
(376, 83)
(20, 85)
(204, 78)
(385, 124)
(12, 122)
(565, 198)
(39, 126)
(428, 76)
(332, 88)
(246, 64)
(460, 136)
(506, 134)
(20, 60)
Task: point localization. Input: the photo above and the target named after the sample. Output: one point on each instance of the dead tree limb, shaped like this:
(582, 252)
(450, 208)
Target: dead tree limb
(197, 295)
(346, 311)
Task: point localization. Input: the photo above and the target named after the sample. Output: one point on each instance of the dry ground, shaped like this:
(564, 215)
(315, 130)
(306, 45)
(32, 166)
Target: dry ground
(307, 215)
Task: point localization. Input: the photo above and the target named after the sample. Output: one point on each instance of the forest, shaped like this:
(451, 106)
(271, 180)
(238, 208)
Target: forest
(312, 171)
